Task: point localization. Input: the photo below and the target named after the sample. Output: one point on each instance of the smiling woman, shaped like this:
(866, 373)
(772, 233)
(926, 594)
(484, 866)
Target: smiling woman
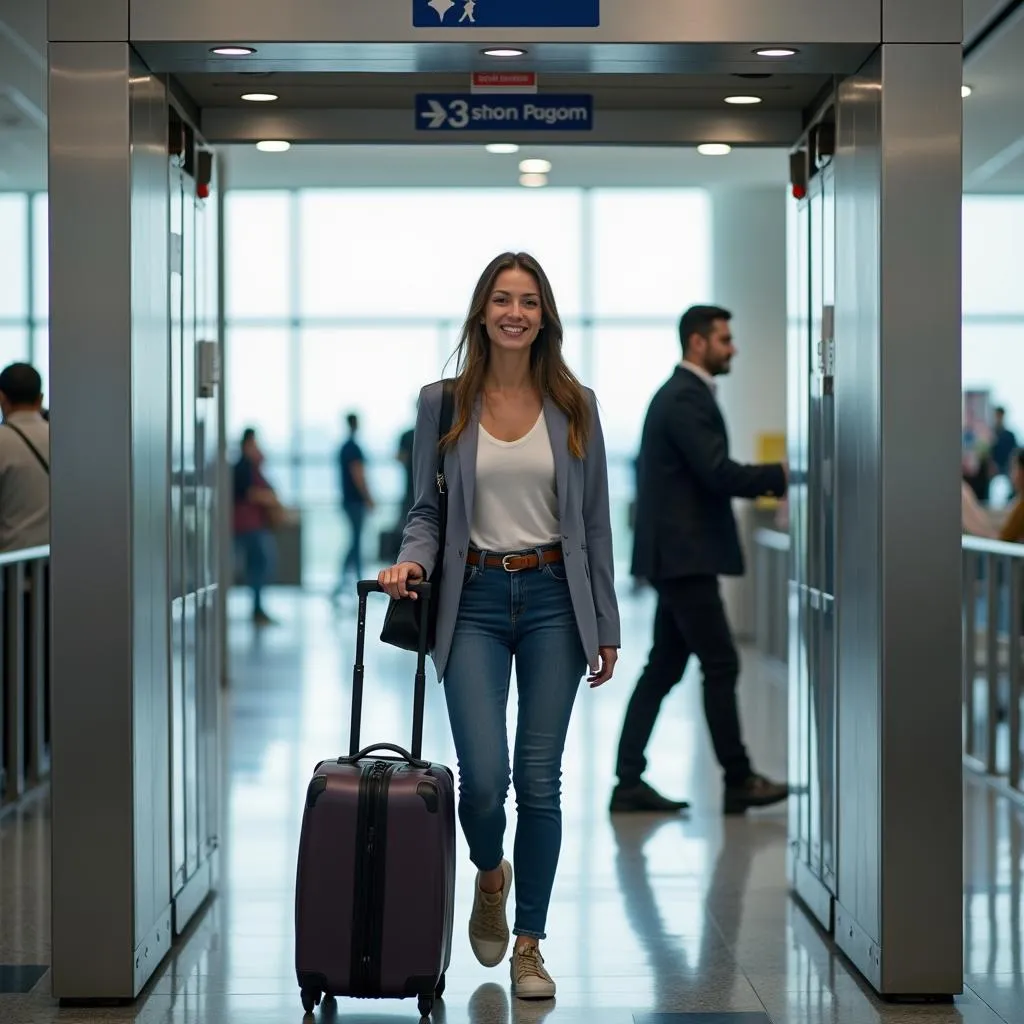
(522, 569)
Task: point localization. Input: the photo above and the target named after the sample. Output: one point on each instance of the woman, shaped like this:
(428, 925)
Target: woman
(527, 574)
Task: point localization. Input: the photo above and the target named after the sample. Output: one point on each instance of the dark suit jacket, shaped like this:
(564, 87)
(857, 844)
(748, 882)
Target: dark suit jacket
(685, 486)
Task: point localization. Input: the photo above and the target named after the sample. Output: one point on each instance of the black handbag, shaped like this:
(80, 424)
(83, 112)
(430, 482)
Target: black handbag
(404, 617)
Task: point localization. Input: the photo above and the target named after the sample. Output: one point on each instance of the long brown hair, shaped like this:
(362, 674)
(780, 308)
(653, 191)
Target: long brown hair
(551, 376)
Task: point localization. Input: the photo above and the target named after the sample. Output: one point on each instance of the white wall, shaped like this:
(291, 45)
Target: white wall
(749, 278)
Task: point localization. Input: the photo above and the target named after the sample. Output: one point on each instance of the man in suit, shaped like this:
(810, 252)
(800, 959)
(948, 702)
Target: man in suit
(686, 538)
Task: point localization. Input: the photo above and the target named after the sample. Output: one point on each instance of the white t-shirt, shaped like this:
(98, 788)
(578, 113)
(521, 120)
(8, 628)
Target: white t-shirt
(516, 501)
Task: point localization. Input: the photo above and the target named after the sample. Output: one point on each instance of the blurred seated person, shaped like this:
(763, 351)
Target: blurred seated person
(978, 471)
(1013, 526)
(974, 519)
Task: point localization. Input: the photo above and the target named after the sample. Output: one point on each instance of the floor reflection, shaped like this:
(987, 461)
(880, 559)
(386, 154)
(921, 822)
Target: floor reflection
(688, 914)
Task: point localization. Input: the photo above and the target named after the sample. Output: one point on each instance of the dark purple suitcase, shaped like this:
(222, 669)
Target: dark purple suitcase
(375, 891)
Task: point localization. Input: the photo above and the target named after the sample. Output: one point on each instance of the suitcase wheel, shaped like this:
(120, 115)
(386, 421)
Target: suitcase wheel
(425, 1005)
(439, 991)
(310, 999)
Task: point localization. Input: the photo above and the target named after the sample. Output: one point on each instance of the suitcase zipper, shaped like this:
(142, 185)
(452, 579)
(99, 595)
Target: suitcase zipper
(378, 875)
(372, 909)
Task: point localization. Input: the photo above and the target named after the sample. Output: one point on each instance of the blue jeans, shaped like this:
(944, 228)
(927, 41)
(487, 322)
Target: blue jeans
(527, 615)
(258, 552)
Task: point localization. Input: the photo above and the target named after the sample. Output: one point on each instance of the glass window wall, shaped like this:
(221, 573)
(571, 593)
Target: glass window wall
(24, 280)
(349, 300)
(993, 333)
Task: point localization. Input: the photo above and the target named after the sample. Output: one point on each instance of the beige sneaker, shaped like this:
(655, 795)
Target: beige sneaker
(488, 926)
(529, 978)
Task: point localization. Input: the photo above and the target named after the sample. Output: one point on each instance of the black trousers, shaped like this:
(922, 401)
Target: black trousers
(690, 620)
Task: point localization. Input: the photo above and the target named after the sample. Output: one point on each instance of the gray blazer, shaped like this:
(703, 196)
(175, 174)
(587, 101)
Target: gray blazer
(582, 486)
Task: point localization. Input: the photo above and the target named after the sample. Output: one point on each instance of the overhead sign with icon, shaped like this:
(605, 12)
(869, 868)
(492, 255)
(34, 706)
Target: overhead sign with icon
(506, 13)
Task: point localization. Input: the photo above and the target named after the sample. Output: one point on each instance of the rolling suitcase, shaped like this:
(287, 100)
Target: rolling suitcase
(375, 886)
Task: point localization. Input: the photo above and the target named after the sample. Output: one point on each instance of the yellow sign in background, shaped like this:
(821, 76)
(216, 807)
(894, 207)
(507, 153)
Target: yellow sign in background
(770, 448)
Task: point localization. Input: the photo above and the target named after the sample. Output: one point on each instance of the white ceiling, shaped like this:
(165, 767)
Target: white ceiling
(22, 94)
(473, 167)
(993, 129)
(994, 112)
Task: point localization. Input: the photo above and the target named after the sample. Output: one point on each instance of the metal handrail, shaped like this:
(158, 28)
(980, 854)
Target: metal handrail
(993, 644)
(771, 589)
(25, 555)
(992, 547)
(993, 623)
(25, 661)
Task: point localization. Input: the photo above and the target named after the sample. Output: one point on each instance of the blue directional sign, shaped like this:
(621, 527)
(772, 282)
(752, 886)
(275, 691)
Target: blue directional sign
(506, 13)
(518, 112)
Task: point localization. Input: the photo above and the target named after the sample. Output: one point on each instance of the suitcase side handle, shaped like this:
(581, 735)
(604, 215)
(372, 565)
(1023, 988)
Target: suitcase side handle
(422, 589)
(394, 748)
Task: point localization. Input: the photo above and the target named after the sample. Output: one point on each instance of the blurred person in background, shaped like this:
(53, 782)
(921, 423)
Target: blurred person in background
(24, 460)
(1004, 443)
(356, 501)
(256, 509)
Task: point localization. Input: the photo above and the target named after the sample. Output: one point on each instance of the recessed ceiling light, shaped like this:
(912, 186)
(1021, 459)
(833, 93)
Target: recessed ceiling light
(259, 97)
(533, 180)
(965, 91)
(535, 166)
(502, 147)
(273, 146)
(714, 149)
(504, 51)
(777, 51)
(233, 51)
(743, 101)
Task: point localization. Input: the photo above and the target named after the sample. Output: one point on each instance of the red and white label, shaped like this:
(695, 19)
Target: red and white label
(503, 81)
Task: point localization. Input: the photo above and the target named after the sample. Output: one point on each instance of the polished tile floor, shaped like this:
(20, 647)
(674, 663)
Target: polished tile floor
(651, 917)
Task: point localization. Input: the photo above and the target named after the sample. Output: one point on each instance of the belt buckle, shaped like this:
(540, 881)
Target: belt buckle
(505, 565)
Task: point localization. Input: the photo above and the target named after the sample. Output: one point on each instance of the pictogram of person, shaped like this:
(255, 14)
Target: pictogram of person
(442, 7)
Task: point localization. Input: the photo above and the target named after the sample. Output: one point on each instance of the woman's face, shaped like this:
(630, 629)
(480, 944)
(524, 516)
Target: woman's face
(513, 316)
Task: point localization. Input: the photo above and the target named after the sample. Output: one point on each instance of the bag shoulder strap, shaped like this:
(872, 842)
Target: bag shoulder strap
(444, 425)
(34, 450)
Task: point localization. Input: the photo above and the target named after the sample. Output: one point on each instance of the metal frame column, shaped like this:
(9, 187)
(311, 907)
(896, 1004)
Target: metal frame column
(898, 183)
(108, 315)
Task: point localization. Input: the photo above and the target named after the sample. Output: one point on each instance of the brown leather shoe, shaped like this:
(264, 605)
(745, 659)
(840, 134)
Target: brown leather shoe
(756, 791)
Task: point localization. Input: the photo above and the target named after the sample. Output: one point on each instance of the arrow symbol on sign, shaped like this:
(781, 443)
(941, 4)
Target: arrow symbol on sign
(437, 114)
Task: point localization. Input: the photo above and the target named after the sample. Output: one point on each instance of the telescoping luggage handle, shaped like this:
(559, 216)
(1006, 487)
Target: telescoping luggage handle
(422, 591)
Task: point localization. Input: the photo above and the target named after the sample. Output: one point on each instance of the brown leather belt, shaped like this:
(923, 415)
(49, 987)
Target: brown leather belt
(516, 563)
